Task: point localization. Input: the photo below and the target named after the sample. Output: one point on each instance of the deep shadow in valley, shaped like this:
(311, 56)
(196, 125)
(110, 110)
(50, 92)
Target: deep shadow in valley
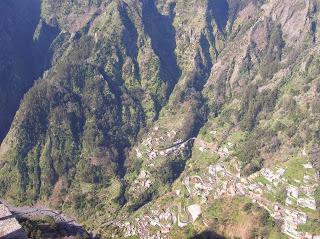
(208, 235)
(220, 11)
(23, 58)
(163, 40)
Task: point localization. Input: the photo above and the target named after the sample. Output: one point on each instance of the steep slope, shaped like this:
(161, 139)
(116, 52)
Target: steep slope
(16, 41)
(141, 95)
(24, 49)
(256, 71)
(89, 107)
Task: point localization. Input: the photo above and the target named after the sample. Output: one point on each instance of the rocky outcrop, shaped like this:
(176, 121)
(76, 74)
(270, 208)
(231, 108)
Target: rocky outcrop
(9, 226)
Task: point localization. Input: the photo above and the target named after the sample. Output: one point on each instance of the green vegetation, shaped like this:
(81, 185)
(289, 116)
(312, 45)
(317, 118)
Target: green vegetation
(238, 213)
(295, 170)
(19, 66)
(45, 227)
(317, 196)
(271, 59)
(253, 103)
(312, 226)
(115, 75)
(261, 179)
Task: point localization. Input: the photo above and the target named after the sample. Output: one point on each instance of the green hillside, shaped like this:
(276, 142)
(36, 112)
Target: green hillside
(123, 100)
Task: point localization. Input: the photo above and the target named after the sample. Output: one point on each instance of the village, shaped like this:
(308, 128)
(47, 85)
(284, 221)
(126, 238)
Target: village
(219, 182)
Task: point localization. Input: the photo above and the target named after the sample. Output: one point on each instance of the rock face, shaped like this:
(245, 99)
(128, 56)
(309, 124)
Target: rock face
(127, 87)
(15, 43)
(9, 226)
(24, 51)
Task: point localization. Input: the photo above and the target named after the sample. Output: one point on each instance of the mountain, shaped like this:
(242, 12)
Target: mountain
(24, 47)
(15, 72)
(137, 113)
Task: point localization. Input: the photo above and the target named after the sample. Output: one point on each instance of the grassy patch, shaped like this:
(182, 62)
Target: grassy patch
(238, 136)
(277, 235)
(312, 214)
(295, 170)
(312, 226)
(261, 179)
(206, 157)
(240, 215)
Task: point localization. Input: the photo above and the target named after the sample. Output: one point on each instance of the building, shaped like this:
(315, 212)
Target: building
(307, 203)
(293, 192)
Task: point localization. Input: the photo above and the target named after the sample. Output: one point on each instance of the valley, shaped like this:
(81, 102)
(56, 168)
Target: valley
(161, 118)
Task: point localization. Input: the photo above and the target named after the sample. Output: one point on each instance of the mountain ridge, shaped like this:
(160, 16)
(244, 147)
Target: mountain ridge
(132, 90)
